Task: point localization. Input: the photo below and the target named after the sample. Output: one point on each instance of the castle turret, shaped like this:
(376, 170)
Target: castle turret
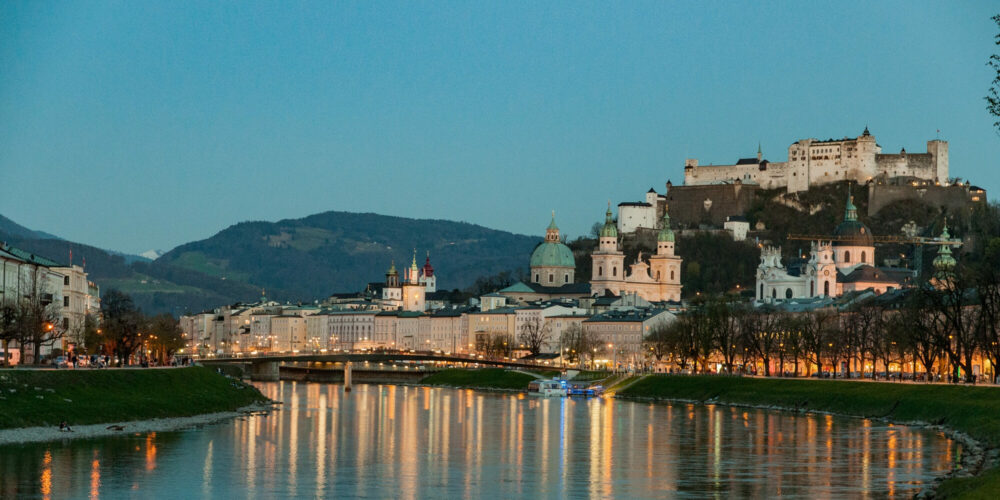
(608, 240)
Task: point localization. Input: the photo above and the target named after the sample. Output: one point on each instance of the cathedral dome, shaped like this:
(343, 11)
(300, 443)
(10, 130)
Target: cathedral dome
(552, 254)
(852, 232)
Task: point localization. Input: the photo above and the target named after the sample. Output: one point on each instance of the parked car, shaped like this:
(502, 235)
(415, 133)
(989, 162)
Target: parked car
(61, 362)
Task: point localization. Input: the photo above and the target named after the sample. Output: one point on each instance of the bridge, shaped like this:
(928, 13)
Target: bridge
(265, 367)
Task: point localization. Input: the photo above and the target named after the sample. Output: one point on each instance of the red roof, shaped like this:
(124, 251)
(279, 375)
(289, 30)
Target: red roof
(428, 268)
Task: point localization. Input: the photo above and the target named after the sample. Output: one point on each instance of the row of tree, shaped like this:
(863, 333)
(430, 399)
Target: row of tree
(34, 322)
(953, 322)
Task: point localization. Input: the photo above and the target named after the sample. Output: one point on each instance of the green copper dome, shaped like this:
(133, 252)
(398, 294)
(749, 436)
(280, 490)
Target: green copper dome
(609, 230)
(666, 234)
(851, 231)
(944, 262)
(550, 254)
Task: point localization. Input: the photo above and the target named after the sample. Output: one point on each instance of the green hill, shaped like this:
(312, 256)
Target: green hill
(295, 260)
(340, 251)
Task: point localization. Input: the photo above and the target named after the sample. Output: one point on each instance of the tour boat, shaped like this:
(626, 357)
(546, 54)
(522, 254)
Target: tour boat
(554, 387)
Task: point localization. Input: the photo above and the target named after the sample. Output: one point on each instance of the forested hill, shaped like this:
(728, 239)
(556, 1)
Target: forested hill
(294, 260)
(341, 251)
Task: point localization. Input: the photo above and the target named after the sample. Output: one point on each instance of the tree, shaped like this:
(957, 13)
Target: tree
(577, 341)
(993, 95)
(8, 327)
(533, 334)
(122, 323)
(37, 317)
(817, 334)
(725, 317)
(164, 337)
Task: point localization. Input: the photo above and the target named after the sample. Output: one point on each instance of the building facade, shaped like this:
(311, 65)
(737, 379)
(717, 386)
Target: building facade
(814, 162)
(659, 279)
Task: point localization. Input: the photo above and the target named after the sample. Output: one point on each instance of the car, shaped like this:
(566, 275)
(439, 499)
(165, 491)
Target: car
(61, 362)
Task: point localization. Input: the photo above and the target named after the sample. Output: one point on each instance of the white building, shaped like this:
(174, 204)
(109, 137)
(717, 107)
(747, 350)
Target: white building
(813, 162)
(738, 227)
(842, 264)
(642, 214)
(659, 279)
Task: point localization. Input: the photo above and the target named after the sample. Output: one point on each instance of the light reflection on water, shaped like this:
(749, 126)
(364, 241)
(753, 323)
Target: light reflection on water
(417, 442)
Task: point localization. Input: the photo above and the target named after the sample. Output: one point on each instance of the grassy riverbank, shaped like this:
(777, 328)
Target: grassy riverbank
(974, 411)
(47, 397)
(485, 378)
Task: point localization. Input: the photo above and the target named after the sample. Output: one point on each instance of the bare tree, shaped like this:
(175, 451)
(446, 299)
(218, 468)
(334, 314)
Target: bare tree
(993, 95)
(122, 324)
(534, 334)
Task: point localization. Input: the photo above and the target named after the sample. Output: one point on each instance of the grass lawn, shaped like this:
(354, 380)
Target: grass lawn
(85, 396)
(485, 378)
(969, 409)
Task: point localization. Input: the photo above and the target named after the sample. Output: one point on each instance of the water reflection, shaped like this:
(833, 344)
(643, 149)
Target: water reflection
(410, 442)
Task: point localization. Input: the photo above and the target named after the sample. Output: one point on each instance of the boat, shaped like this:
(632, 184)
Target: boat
(548, 388)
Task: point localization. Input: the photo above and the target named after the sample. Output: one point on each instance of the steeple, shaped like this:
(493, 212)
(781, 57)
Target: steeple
(552, 232)
(609, 230)
(760, 155)
(850, 211)
(665, 234)
(414, 274)
(944, 263)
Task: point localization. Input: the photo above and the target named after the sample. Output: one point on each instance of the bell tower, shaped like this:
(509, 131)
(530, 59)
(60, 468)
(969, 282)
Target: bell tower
(608, 272)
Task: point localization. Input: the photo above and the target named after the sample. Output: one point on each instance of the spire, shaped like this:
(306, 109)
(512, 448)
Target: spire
(609, 230)
(760, 155)
(666, 234)
(392, 269)
(944, 263)
(850, 211)
(552, 232)
(413, 268)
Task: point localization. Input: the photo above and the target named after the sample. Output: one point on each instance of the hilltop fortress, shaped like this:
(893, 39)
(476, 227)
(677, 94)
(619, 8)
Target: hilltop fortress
(813, 162)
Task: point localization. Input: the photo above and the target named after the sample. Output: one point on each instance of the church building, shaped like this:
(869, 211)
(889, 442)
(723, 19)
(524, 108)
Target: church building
(657, 280)
(844, 263)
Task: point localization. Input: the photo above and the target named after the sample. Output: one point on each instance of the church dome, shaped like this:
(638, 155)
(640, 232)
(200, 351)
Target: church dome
(852, 232)
(551, 254)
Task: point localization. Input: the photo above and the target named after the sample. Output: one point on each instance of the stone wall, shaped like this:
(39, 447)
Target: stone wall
(691, 206)
(952, 198)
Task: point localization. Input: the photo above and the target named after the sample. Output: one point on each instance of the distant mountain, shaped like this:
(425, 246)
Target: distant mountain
(152, 254)
(12, 228)
(329, 252)
(297, 260)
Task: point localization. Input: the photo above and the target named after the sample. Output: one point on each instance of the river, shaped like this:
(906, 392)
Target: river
(384, 441)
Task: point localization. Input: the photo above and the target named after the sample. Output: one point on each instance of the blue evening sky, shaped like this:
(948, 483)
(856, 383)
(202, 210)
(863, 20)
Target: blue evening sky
(138, 125)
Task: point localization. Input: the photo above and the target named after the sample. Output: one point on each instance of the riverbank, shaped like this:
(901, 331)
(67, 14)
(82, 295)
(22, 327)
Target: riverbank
(483, 378)
(968, 414)
(44, 398)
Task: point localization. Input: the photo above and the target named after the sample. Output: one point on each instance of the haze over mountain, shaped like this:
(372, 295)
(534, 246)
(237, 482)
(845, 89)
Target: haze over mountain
(295, 259)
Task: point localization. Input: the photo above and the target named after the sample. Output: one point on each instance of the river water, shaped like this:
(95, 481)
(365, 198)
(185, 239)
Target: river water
(384, 441)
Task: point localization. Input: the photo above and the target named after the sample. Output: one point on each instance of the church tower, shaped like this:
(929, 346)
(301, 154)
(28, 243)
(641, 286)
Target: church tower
(665, 266)
(552, 263)
(414, 294)
(608, 272)
(392, 290)
(427, 277)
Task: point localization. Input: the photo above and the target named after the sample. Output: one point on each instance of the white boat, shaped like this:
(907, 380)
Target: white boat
(547, 388)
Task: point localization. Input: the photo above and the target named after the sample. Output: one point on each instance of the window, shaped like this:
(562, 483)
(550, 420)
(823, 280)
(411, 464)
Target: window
(657, 276)
(551, 278)
(847, 256)
(66, 300)
(65, 324)
(537, 278)
(826, 288)
(66, 280)
(600, 271)
(812, 288)
(671, 275)
(762, 290)
(565, 278)
(614, 271)
(788, 293)
(774, 293)
(863, 257)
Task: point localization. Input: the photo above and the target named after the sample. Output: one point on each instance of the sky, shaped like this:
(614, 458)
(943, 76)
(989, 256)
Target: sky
(140, 125)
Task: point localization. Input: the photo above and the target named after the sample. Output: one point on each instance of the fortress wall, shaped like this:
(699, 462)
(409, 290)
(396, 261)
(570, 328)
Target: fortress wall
(952, 198)
(687, 204)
